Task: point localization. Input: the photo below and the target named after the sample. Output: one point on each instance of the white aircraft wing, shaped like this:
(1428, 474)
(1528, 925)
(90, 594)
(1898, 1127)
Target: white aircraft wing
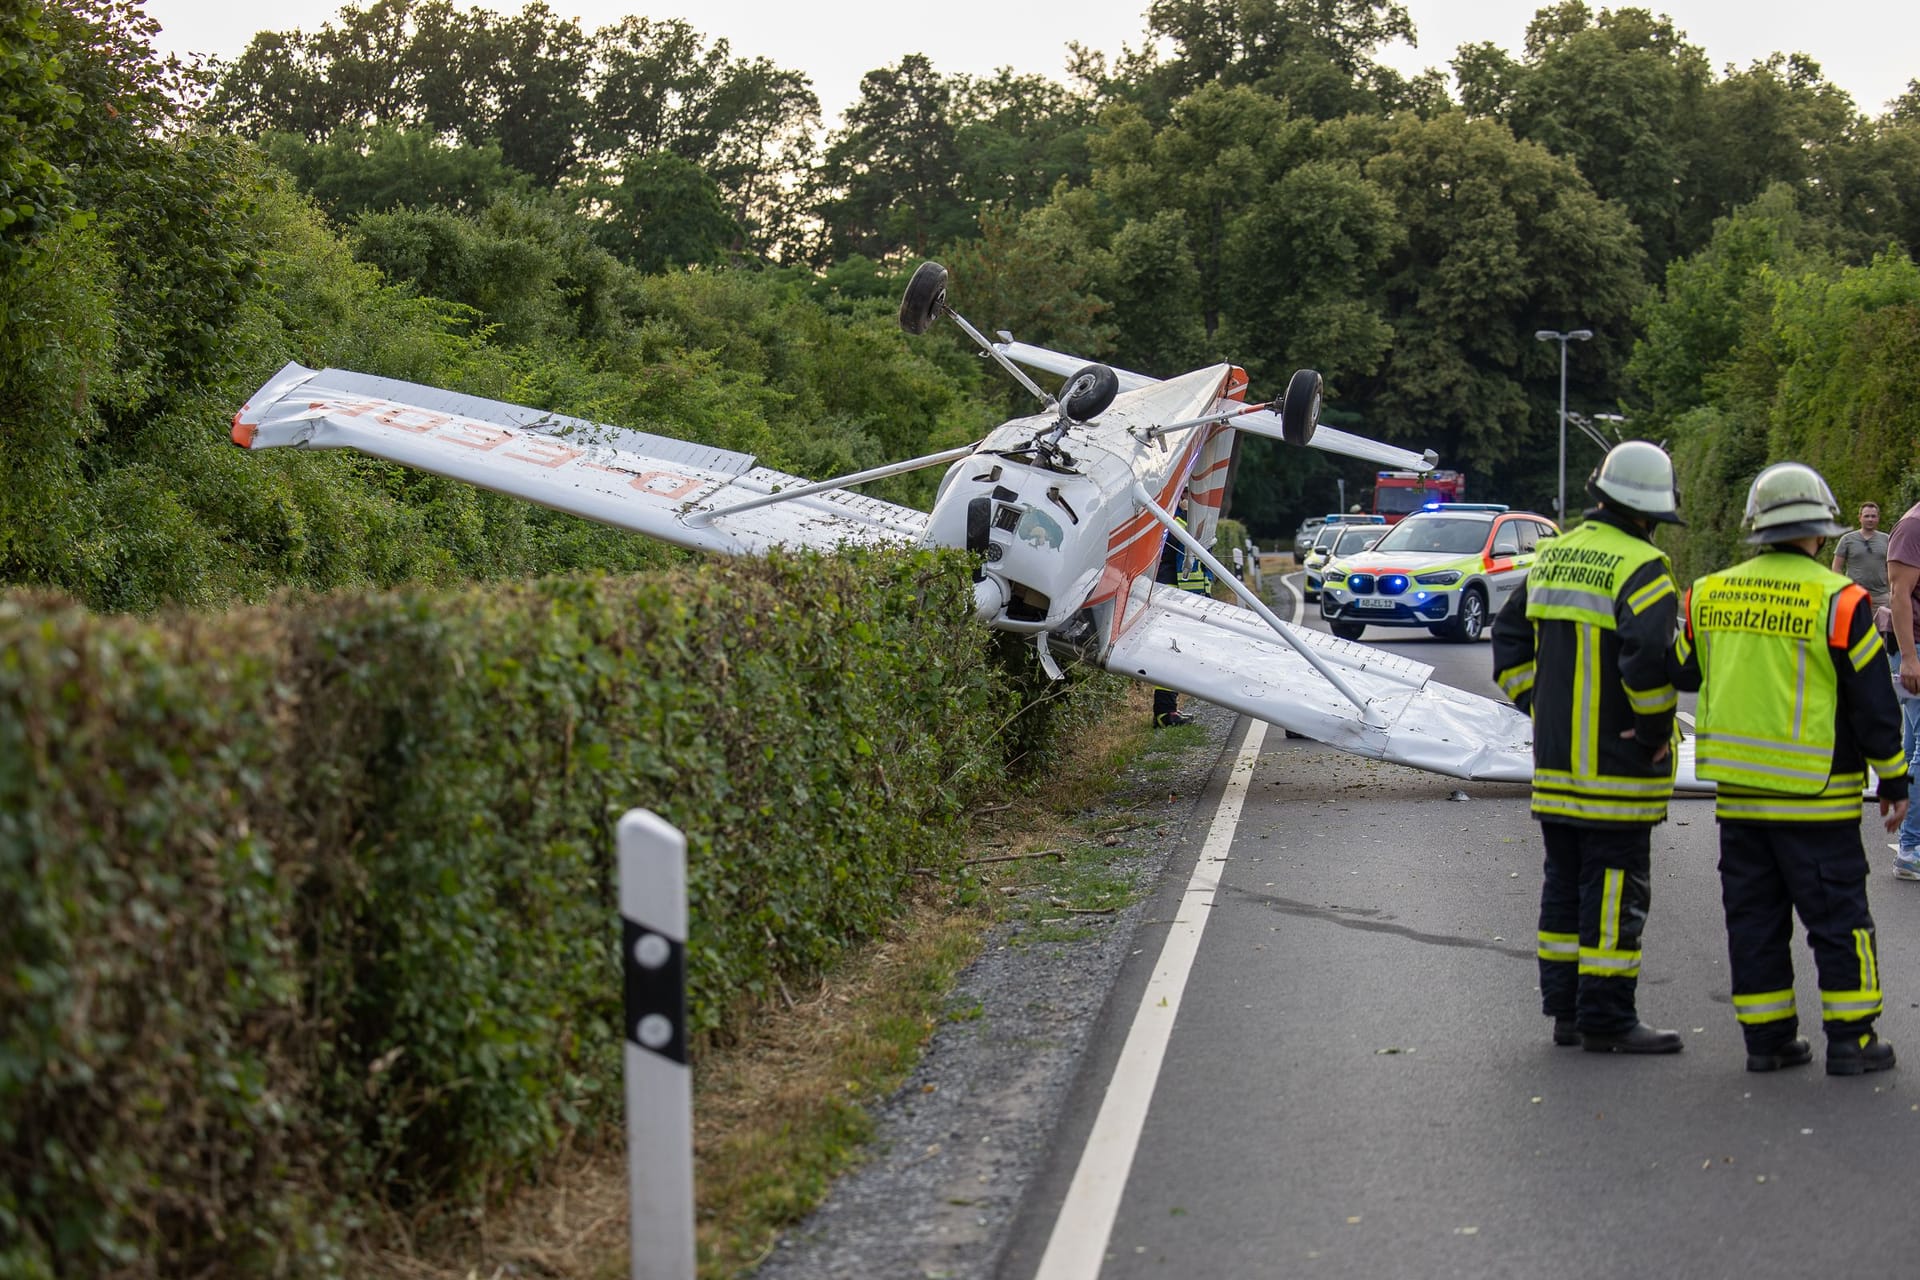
(647, 483)
(1229, 656)
(1261, 422)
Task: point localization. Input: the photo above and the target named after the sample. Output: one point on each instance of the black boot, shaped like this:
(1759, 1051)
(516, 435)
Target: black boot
(1794, 1053)
(1858, 1054)
(1565, 1033)
(1639, 1038)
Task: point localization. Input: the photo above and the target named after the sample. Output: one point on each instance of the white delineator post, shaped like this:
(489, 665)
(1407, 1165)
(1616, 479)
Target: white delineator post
(653, 962)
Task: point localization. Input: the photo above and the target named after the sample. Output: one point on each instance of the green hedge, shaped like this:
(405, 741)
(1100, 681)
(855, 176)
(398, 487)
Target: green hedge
(309, 908)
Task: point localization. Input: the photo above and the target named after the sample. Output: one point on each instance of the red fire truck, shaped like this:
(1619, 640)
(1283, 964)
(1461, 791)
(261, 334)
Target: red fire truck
(1397, 493)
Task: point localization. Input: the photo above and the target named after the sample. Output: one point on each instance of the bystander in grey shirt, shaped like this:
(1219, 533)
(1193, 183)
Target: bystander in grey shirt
(1863, 557)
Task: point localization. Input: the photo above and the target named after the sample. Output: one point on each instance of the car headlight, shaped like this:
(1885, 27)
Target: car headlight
(1444, 578)
(1336, 575)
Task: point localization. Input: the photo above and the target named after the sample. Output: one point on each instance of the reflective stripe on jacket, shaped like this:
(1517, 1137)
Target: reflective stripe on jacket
(1782, 648)
(1582, 647)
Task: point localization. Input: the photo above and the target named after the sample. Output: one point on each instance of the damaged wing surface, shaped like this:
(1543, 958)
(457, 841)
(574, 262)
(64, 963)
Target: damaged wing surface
(630, 479)
(1229, 656)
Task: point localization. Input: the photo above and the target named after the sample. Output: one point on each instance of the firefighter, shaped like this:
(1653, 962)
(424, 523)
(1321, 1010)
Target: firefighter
(1184, 571)
(1796, 701)
(1582, 647)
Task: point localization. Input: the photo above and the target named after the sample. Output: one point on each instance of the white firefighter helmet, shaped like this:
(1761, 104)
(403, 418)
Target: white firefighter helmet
(1636, 477)
(1789, 500)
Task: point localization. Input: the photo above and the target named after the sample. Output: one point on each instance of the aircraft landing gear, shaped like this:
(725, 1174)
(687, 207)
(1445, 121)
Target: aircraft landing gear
(1300, 407)
(1087, 393)
(926, 294)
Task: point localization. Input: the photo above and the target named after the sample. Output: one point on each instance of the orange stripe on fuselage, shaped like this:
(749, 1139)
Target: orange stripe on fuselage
(1130, 554)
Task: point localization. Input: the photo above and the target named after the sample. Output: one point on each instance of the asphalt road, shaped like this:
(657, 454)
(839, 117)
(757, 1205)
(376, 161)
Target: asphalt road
(1359, 1083)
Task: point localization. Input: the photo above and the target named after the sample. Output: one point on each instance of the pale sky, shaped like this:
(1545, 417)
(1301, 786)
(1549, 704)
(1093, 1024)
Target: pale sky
(1870, 48)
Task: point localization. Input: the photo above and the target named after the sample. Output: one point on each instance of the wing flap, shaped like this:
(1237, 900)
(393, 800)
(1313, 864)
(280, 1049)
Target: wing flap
(629, 479)
(1216, 651)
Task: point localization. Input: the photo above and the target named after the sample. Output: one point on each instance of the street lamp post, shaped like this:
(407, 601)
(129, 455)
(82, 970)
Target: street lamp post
(1552, 335)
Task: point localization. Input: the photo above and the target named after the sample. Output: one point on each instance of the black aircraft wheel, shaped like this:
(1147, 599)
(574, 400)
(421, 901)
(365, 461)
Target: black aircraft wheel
(926, 294)
(1300, 407)
(1087, 393)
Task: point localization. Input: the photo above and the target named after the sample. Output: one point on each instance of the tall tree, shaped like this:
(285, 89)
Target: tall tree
(531, 70)
(380, 169)
(1779, 120)
(1316, 53)
(1019, 135)
(664, 212)
(892, 175)
(517, 81)
(1619, 93)
(659, 88)
(1212, 162)
(1502, 239)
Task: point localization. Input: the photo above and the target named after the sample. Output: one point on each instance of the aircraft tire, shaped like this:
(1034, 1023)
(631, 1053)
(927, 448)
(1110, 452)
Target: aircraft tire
(1300, 407)
(1086, 395)
(926, 294)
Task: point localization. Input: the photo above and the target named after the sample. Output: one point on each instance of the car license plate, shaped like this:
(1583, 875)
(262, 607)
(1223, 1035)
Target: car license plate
(1371, 602)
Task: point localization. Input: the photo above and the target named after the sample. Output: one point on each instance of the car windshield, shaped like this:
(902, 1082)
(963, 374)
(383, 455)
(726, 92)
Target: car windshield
(1451, 535)
(1326, 535)
(1353, 541)
(1391, 501)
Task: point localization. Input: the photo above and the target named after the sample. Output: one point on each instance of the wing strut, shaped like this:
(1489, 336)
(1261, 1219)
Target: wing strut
(701, 519)
(1000, 356)
(1253, 602)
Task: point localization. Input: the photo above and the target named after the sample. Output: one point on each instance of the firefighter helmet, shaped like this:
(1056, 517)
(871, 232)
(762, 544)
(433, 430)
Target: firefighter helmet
(1789, 500)
(1636, 477)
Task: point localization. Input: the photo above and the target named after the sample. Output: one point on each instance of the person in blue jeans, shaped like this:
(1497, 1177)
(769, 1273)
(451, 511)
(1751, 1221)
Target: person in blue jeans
(1903, 582)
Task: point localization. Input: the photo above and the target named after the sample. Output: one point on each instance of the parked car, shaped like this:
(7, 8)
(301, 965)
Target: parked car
(1347, 540)
(1447, 568)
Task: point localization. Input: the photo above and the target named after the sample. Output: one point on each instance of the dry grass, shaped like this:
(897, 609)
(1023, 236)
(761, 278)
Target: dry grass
(780, 1113)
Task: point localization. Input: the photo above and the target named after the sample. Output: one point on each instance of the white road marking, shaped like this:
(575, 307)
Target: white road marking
(1078, 1244)
(1299, 596)
(1685, 718)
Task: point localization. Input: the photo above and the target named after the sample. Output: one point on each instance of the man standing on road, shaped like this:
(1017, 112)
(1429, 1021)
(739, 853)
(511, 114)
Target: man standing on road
(1582, 647)
(1795, 703)
(1861, 554)
(1903, 582)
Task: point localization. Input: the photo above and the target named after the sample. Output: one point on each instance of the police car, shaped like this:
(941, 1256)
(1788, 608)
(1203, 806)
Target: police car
(1321, 549)
(1447, 567)
(1347, 540)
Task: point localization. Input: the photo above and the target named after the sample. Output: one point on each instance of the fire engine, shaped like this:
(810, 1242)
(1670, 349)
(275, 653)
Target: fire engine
(1399, 493)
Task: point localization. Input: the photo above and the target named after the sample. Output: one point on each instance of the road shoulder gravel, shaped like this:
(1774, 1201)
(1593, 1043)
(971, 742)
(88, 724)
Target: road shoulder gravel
(959, 1143)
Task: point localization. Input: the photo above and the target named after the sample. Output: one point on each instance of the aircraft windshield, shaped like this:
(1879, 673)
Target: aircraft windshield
(1451, 535)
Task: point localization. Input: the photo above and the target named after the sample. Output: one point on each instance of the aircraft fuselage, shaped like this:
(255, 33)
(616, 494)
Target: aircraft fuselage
(1051, 511)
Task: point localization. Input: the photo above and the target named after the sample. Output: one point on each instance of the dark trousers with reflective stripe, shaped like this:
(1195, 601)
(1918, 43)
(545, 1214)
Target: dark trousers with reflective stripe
(1597, 887)
(1768, 870)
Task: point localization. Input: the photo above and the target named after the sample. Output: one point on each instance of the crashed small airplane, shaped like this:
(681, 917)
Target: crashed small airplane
(1067, 510)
